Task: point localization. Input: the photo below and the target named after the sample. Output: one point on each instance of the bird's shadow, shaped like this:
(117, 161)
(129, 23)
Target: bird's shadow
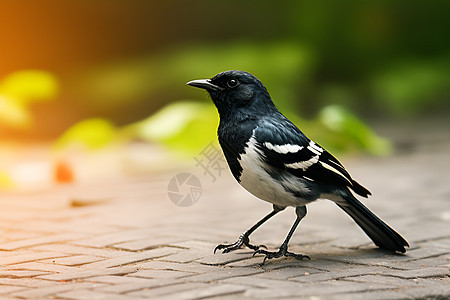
(359, 256)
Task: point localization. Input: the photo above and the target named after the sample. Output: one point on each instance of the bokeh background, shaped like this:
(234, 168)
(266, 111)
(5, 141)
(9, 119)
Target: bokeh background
(96, 73)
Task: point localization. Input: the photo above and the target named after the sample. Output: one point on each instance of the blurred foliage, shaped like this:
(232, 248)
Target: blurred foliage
(5, 180)
(283, 65)
(188, 126)
(29, 86)
(92, 134)
(185, 127)
(323, 62)
(348, 131)
(408, 88)
(19, 90)
(13, 114)
(289, 70)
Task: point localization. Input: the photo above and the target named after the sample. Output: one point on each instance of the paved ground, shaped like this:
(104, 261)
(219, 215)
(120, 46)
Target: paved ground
(122, 238)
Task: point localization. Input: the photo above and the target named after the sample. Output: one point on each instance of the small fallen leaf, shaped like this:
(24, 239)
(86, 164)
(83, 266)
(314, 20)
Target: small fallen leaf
(63, 172)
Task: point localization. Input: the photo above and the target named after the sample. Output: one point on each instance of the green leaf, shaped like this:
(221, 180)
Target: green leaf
(351, 131)
(185, 126)
(28, 86)
(91, 133)
(13, 114)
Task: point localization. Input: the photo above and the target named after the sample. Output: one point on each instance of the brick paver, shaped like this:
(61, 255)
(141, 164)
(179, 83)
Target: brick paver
(126, 240)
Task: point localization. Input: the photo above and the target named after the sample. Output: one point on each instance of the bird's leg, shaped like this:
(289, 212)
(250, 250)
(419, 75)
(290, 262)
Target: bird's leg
(243, 238)
(301, 212)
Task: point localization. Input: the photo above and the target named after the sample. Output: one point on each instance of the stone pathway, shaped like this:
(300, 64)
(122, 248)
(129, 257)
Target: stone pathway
(123, 239)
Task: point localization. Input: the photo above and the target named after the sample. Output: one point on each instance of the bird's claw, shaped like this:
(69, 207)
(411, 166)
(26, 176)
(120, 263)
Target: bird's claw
(242, 241)
(281, 252)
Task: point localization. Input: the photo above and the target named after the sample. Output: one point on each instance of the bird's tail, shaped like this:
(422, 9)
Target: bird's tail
(381, 234)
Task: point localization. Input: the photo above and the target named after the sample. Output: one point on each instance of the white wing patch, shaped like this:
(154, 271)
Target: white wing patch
(283, 149)
(314, 148)
(303, 164)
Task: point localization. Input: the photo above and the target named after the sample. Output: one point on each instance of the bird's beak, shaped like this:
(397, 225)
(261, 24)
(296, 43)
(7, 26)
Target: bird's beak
(204, 84)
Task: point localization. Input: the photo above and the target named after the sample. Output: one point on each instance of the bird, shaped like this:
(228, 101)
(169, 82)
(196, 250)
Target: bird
(275, 161)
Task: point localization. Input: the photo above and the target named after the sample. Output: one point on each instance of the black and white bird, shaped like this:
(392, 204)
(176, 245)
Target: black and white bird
(272, 159)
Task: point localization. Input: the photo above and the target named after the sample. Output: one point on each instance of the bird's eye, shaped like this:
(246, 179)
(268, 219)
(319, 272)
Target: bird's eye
(232, 83)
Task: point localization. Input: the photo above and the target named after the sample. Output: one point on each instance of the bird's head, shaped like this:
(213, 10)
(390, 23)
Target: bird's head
(236, 91)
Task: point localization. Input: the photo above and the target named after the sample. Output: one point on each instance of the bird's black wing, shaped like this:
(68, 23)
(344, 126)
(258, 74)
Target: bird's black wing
(286, 148)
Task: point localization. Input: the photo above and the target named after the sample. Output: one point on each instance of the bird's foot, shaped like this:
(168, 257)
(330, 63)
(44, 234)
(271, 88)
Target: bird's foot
(242, 241)
(281, 252)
